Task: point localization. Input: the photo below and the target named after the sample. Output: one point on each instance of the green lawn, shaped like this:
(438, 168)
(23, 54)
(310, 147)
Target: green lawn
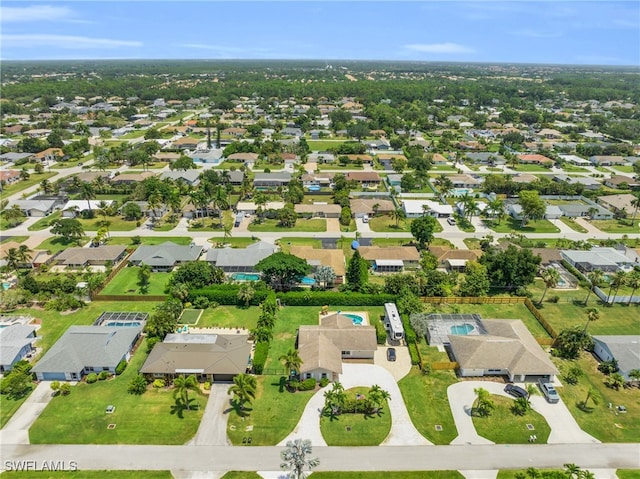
(617, 319)
(153, 418)
(472, 243)
(149, 240)
(116, 223)
(512, 224)
(59, 165)
(348, 229)
(58, 243)
(385, 224)
(598, 420)
(323, 145)
(387, 475)
(494, 311)
(17, 239)
(87, 474)
(229, 317)
(504, 427)
(34, 179)
(190, 316)
(356, 429)
(286, 243)
(45, 222)
(571, 223)
(8, 406)
(241, 475)
(426, 399)
(126, 282)
(273, 414)
(616, 226)
(628, 473)
(623, 168)
(513, 473)
(315, 225)
(573, 168)
(531, 168)
(240, 242)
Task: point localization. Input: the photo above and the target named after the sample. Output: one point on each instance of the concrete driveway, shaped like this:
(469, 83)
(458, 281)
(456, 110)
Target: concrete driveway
(402, 430)
(213, 426)
(564, 428)
(398, 368)
(16, 431)
(333, 225)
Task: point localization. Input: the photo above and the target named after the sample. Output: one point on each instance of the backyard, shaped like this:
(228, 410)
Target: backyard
(148, 240)
(58, 243)
(34, 179)
(153, 418)
(126, 282)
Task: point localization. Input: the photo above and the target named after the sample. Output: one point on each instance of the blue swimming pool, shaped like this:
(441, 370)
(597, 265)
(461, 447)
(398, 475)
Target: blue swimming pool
(460, 191)
(308, 281)
(462, 329)
(6, 286)
(245, 277)
(123, 324)
(313, 188)
(355, 318)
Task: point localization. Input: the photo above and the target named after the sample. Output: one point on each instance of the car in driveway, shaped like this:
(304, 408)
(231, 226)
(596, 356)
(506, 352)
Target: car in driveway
(549, 391)
(451, 220)
(391, 354)
(516, 391)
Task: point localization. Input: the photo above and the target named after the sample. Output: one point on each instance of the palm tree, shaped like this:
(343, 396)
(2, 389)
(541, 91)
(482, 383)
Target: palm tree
(103, 207)
(243, 389)
(375, 209)
(199, 201)
(334, 399)
(292, 362)
(246, 292)
(87, 192)
(550, 276)
(593, 395)
(595, 278)
(24, 254)
(154, 203)
(592, 212)
(12, 258)
(398, 214)
(184, 384)
(295, 458)
(484, 403)
(13, 215)
(619, 279)
(572, 470)
(496, 208)
(220, 202)
(636, 204)
(444, 184)
(377, 397)
(633, 281)
(593, 314)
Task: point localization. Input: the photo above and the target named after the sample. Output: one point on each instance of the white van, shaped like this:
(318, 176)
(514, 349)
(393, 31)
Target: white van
(365, 219)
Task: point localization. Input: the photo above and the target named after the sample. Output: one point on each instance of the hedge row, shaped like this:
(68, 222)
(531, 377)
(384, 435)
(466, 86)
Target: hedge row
(574, 271)
(321, 298)
(260, 357)
(414, 353)
(410, 335)
(227, 294)
(381, 332)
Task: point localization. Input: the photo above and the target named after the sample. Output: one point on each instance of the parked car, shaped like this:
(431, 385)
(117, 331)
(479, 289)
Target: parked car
(391, 354)
(365, 219)
(549, 391)
(516, 391)
(451, 220)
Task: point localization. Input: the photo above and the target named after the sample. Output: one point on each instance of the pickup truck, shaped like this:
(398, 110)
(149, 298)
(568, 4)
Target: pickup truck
(549, 391)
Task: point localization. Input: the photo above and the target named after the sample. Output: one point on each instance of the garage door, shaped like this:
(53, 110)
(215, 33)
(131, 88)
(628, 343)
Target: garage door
(53, 376)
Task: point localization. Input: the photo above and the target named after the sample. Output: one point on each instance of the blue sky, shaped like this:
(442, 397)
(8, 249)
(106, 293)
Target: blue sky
(560, 32)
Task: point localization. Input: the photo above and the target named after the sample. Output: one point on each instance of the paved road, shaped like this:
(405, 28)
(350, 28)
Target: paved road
(398, 458)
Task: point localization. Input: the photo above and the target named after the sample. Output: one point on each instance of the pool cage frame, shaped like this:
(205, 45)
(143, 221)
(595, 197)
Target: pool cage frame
(439, 326)
(121, 316)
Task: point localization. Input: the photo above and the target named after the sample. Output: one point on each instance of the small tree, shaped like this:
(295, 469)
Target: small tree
(520, 406)
(357, 272)
(144, 275)
(325, 276)
(550, 277)
(484, 403)
(295, 458)
(246, 293)
(137, 385)
(615, 381)
(292, 362)
(65, 389)
(243, 389)
(182, 385)
(55, 387)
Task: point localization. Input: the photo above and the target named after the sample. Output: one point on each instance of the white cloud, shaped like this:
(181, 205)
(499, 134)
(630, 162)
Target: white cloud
(438, 48)
(36, 13)
(64, 41)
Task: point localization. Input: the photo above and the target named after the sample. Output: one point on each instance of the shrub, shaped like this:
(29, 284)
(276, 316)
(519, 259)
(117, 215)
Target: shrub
(207, 385)
(200, 302)
(92, 378)
(55, 386)
(410, 335)
(159, 383)
(324, 382)
(381, 332)
(122, 365)
(554, 299)
(137, 385)
(65, 389)
(346, 298)
(415, 355)
(136, 240)
(151, 342)
(608, 367)
(104, 375)
(260, 357)
(426, 368)
(294, 384)
(307, 385)
(520, 406)
(227, 294)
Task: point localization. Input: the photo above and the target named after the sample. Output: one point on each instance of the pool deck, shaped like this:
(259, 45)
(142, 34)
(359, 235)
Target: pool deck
(363, 314)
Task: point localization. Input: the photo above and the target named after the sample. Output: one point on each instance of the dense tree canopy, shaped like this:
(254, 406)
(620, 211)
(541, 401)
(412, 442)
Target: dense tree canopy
(283, 270)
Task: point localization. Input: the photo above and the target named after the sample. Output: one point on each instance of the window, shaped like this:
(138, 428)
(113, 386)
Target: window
(307, 376)
(346, 353)
(324, 375)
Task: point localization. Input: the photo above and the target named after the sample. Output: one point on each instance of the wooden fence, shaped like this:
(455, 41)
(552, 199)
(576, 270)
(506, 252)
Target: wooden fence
(116, 269)
(543, 322)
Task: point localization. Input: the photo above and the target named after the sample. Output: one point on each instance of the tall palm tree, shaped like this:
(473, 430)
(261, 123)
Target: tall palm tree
(220, 202)
(24, 254)
(334, 398)
(12, 258)
(13, 215)
(593, 314)
(87, 192)
(595, 278)
(377, 397)
(633, 281)
(184, 384)
(496, 208)
(619, 279)
(636, 204)
(398, 214)
(154, 203)
(243, 388)
(292, 362)
(550, 276)
(295, 460)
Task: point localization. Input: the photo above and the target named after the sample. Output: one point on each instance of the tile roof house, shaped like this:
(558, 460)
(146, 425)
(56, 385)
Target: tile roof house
(232, 260)
(334, 258)
(165, 256)
(390, 259)
(364, 177)
(85, 349)
(186, 143)
(211, 357)
(624, 349)
(607, 160)
(619, 181)
(507, 348)
(130, 178)
(464, 181)
(322, 348)
(8, 177)
(243, 157)
(50, 154)
(16, 343)
(319, 210)
(618, 202)
(454, 259)
(535, 159)
(365, 206)
(81, 257)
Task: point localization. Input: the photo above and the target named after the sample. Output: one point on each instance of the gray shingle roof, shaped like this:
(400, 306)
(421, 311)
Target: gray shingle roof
(165, 254)
(625, 349)
(100, 254)
(249, 256)
(12, 339)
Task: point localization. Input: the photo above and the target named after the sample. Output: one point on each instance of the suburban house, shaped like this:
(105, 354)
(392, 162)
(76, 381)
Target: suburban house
(165, 256)
(81, 257)
(391, 259)
(418, 208)
(13, 156)
(235, 132)
(621, 182)
(607, 260)
(272, 180)
(130, 178)
(318, 210)
(574, 160)
(16, 344)
(212, 155)
(505, 347)
(624, 349)
(167, 156)
(359, 159)
(186, 143)
(549, 134)
(317, 180)
(485, 158)
(322, 348)
(211, 357)
(524, 178)
(553, 212)
(8, 177)
(321, 157)
(146, 211)
(37, 208)
(585, 181)
(50, 154)
(367, 179)
(454, 259)
(86, 349)
(464, 181)
(74, 208)
(190, 177)
(618, 202)
(536, 159)
(370, 207)
(240, 260)
(250, 207)
(334, 258)
(607, 160)
(245, 158)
